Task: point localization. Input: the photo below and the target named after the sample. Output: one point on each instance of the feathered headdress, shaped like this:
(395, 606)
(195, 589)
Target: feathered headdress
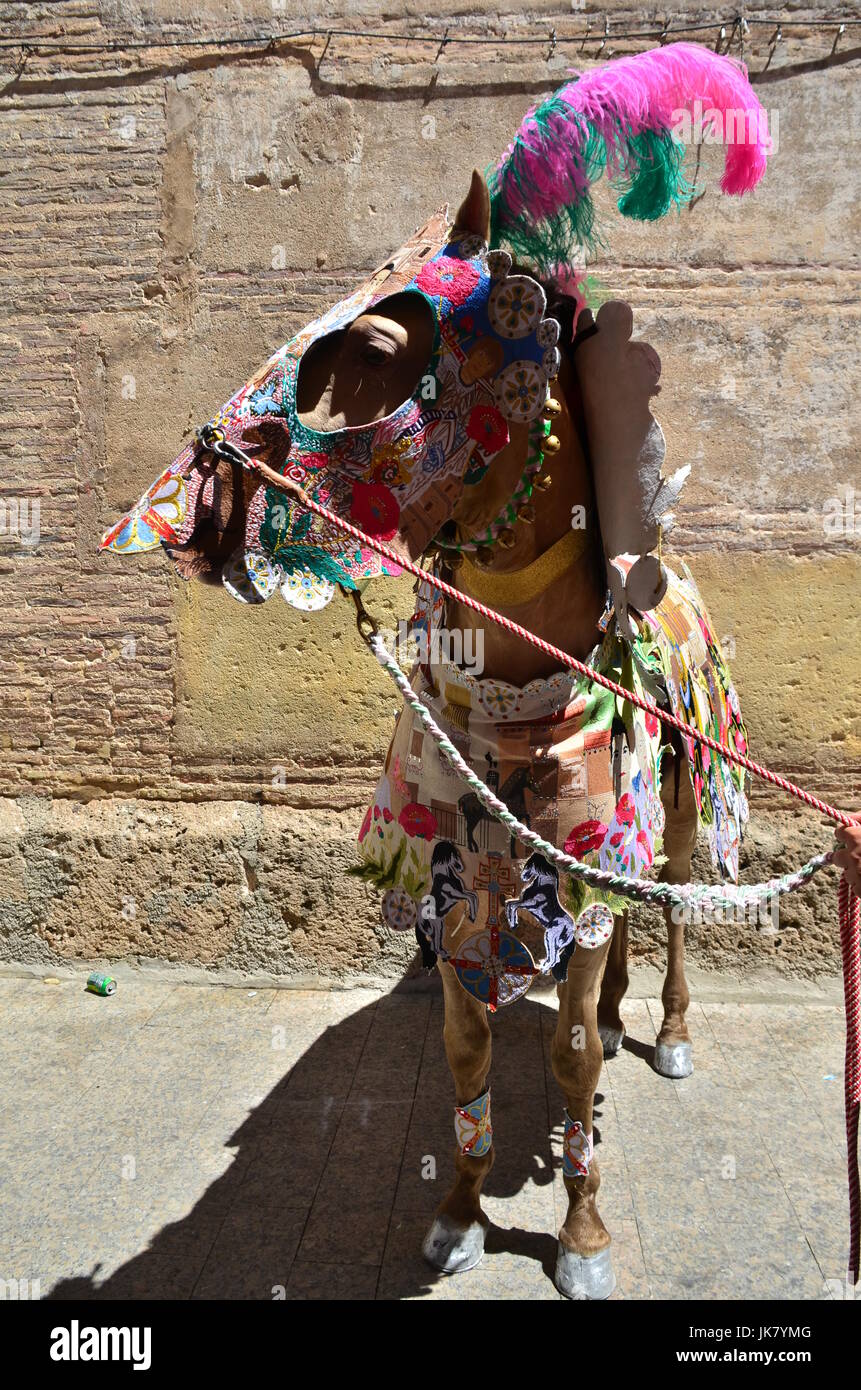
(626, 119)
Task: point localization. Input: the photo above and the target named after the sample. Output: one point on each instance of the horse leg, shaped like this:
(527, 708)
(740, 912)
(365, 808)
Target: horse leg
(455, 1241)
(583, 1266)
(614, 986)
(673, 1046)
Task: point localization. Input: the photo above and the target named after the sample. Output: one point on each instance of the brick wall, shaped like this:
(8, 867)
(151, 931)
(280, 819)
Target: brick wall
(180, 777)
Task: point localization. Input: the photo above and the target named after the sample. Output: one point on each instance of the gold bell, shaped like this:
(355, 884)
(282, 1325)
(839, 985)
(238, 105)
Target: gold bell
(551, 445)
(552, 406)
(526, 512)
(543, 483)
(454, 560)
(484, 554)
(506, 538)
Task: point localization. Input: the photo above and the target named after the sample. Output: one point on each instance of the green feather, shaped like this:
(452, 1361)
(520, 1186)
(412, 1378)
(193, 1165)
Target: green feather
(648, 178)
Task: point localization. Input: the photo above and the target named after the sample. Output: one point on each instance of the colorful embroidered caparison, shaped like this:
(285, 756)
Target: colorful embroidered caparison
(580, 767)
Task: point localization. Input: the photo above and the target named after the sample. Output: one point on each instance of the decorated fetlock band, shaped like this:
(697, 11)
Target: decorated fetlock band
(576, 1149)
(472, 1126)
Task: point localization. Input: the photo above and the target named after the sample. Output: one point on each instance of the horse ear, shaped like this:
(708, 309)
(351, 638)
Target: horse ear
(473, 215)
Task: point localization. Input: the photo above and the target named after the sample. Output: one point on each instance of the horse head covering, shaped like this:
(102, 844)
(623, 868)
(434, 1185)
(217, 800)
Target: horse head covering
(399, 479)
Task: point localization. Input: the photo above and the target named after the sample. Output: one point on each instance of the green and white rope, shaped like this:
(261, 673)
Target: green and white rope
(688, 895)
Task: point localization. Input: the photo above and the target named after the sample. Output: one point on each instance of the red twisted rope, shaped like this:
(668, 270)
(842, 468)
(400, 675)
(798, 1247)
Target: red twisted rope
(565, 659)
(850, 916)
(850, 945)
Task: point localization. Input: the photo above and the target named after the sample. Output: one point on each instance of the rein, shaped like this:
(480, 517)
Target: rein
(849, 906)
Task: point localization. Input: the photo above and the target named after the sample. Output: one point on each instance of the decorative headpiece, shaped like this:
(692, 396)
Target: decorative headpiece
(630, 118)
(397, 479)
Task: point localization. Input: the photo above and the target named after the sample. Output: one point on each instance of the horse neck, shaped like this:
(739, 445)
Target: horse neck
(566, 612)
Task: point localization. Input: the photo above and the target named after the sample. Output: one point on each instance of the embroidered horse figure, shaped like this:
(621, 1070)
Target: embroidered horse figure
(540, 897)
(512, 792)
(447, 889)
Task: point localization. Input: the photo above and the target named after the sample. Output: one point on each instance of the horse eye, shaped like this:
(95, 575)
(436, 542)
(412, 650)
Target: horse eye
(375, 356)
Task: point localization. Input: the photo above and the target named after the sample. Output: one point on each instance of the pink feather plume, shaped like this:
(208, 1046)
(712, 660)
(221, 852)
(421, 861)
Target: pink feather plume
(648, 91)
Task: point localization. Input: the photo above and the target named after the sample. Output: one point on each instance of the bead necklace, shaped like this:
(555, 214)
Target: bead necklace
(519, 507)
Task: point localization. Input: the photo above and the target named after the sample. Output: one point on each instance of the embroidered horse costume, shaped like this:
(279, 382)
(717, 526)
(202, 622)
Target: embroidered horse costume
(562, 755)
(566, 756)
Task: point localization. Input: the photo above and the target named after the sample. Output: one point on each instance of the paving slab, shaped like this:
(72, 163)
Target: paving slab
(201, 1141)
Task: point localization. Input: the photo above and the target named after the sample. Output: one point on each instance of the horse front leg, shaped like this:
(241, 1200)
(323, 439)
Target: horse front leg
(614, 987)
(455, 1241)
(673, 1046)
(583, 1266)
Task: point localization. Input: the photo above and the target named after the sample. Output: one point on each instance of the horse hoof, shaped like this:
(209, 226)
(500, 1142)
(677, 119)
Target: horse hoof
(453, 1249)
(583, 1277)
(673, 1059)
(611, 1038)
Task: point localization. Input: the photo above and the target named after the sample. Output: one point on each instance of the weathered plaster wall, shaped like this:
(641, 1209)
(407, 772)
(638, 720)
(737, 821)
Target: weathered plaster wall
(181, 777)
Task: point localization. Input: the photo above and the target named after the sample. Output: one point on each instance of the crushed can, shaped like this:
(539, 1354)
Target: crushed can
(98, 983)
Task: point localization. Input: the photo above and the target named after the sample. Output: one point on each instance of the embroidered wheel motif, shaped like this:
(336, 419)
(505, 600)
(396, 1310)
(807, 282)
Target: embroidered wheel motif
(521, 388)
(250, 576)
(307, 591)
(398, 910)
(515, 306)
(494, 967)
(594, 926)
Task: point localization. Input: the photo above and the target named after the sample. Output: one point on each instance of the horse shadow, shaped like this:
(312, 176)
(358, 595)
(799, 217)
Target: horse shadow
(321, 1202)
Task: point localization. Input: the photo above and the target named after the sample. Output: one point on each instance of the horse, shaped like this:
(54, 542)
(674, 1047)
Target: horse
(360, 374)
(447, 889)
(512, 792)
(541, 898)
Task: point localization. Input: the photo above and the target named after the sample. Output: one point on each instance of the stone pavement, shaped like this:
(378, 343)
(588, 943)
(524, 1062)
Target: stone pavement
(184, 1141)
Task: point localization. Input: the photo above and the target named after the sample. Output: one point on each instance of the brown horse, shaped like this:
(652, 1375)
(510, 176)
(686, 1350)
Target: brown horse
(343, 390)
(566, 614)
(361, 374)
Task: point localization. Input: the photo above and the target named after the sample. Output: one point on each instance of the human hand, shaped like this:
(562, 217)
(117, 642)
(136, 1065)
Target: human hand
(848, 856)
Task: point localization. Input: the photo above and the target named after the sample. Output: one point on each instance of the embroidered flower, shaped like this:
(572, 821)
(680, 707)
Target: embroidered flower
(366, 825)
(301, 465)
(375, 510)
(645, 846)
(585, 838)
(418, 822)
(455, 280)
(651, 725)
(487, 425)
(389, 466)
(625, 810)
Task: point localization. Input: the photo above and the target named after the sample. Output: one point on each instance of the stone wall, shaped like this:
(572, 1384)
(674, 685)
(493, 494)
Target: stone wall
(181, 778)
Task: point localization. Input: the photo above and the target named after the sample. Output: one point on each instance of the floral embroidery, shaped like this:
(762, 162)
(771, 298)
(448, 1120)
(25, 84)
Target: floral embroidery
(453, 279)
(488, 427)
(418, 821)
(585, 838)
(375, 510)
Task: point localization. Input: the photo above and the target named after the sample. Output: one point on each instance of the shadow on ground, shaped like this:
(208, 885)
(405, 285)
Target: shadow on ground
(327, 1194)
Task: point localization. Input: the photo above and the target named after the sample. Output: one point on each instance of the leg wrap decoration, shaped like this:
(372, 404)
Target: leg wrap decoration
(472, 1126)
(576, 1149)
